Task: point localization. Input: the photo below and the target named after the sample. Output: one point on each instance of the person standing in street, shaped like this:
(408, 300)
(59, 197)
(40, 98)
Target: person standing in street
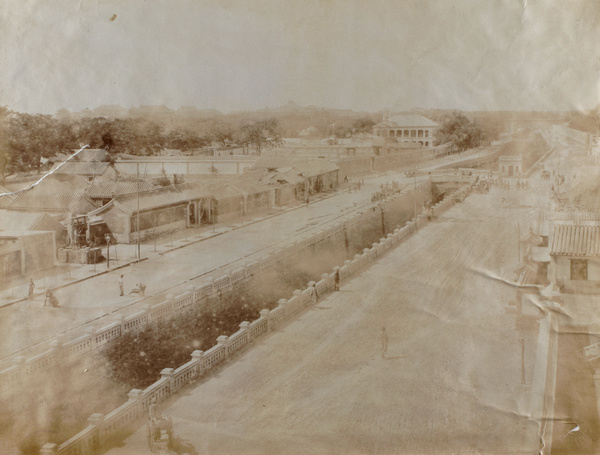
(336, 279)
(314, 295)
(31, 288)
(121, 292)
(384, 342)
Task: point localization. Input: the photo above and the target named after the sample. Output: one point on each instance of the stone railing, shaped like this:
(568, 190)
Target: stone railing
(575, 217)
(126, 417)
(59, 352)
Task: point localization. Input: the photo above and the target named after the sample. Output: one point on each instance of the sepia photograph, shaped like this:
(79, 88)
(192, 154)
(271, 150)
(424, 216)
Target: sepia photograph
(289, 227)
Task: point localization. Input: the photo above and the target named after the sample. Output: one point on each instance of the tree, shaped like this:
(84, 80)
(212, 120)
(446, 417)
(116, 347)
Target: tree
(261, 135)
(461, 132)
(33, 137)
(222, 135)
(4, 148)
(363, 125)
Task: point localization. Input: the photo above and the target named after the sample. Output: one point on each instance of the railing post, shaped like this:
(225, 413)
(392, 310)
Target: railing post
(98, 421)
(148, 311)
(49, 448)
(245, 326)
(91, 332)
(167, 373)
(298, 295)
(281, 303)
(197, 357)
(325, 277)
(121, 320)
(265, 314)
(222, 341)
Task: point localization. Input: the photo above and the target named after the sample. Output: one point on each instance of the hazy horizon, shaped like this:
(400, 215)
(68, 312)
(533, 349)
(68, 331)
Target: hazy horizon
(536, 55)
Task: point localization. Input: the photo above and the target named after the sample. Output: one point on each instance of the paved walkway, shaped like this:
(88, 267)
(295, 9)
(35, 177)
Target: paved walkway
(449, 383)
(89, 295)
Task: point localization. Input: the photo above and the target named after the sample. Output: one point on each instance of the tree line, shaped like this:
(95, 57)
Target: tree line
(27, 139)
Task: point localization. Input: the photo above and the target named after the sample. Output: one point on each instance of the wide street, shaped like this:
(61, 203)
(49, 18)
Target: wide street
(451, 378)
(26, 325)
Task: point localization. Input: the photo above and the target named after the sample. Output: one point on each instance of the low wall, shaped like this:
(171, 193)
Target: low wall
(362, 227)
(104, 428)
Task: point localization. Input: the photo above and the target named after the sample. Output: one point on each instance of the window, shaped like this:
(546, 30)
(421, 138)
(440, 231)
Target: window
(405, 133)
(413, 133)
(420, 133)
(579, 269)
(426, 133)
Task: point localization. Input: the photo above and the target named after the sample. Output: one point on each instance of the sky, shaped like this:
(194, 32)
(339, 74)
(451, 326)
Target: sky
(234, 55)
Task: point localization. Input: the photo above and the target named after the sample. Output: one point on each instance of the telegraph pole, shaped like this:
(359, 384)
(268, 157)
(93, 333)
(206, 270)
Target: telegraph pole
(138, 212)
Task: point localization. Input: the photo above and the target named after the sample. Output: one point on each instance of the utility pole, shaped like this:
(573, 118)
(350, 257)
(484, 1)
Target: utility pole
(138, 212)
(415, 192)
(107, 251)
(519, 240)
(522, 343)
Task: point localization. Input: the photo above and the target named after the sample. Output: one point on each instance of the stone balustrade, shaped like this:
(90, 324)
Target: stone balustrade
(14, 375)
(102, 428)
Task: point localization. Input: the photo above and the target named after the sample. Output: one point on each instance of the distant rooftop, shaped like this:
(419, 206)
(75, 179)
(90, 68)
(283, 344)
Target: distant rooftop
(408, 121)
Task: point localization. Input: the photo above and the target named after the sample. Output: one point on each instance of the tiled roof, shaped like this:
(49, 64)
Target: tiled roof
(408, 121)
(273, 162)
(50, 195)
(157, 198)
(148, 200)
(48, 202)
(249, 186)
(574, 240)
(13, 220)
(223, 191)
(81, 167)
(313, 168)
(90, 155)
(109, 188)
(7, 198)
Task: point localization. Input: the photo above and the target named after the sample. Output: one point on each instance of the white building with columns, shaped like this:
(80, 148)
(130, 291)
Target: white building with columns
(408, 128)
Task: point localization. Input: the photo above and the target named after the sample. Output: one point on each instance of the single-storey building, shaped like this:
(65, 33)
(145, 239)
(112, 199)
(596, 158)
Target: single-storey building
(287, 184)
(30, 221)
(257, 196)
(6, 197)
(408, 128)
(159, 211)
(23, 252)
(89, 170)
(54, 197)
(575, 258)
(320, 175)
(103, 190)
(510, 166)
(228, 203)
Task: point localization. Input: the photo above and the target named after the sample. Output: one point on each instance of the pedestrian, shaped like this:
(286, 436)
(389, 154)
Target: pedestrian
(384, 342)
(314, 294)
(121, 292)
(336, 279)
(31, 288)
(50, 299)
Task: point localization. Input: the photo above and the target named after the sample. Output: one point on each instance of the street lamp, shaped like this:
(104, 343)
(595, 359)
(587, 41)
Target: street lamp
(107, 237)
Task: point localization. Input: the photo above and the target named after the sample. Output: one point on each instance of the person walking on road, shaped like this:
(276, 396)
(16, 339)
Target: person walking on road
(121, 292)
(336, 279)
(314, 294)
(384, 342)
(50, 299)
(31, 289)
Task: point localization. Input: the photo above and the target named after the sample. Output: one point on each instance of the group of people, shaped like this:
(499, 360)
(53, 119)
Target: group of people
(521, 184)
(385, 190)
(140, 288)
(49, 300)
